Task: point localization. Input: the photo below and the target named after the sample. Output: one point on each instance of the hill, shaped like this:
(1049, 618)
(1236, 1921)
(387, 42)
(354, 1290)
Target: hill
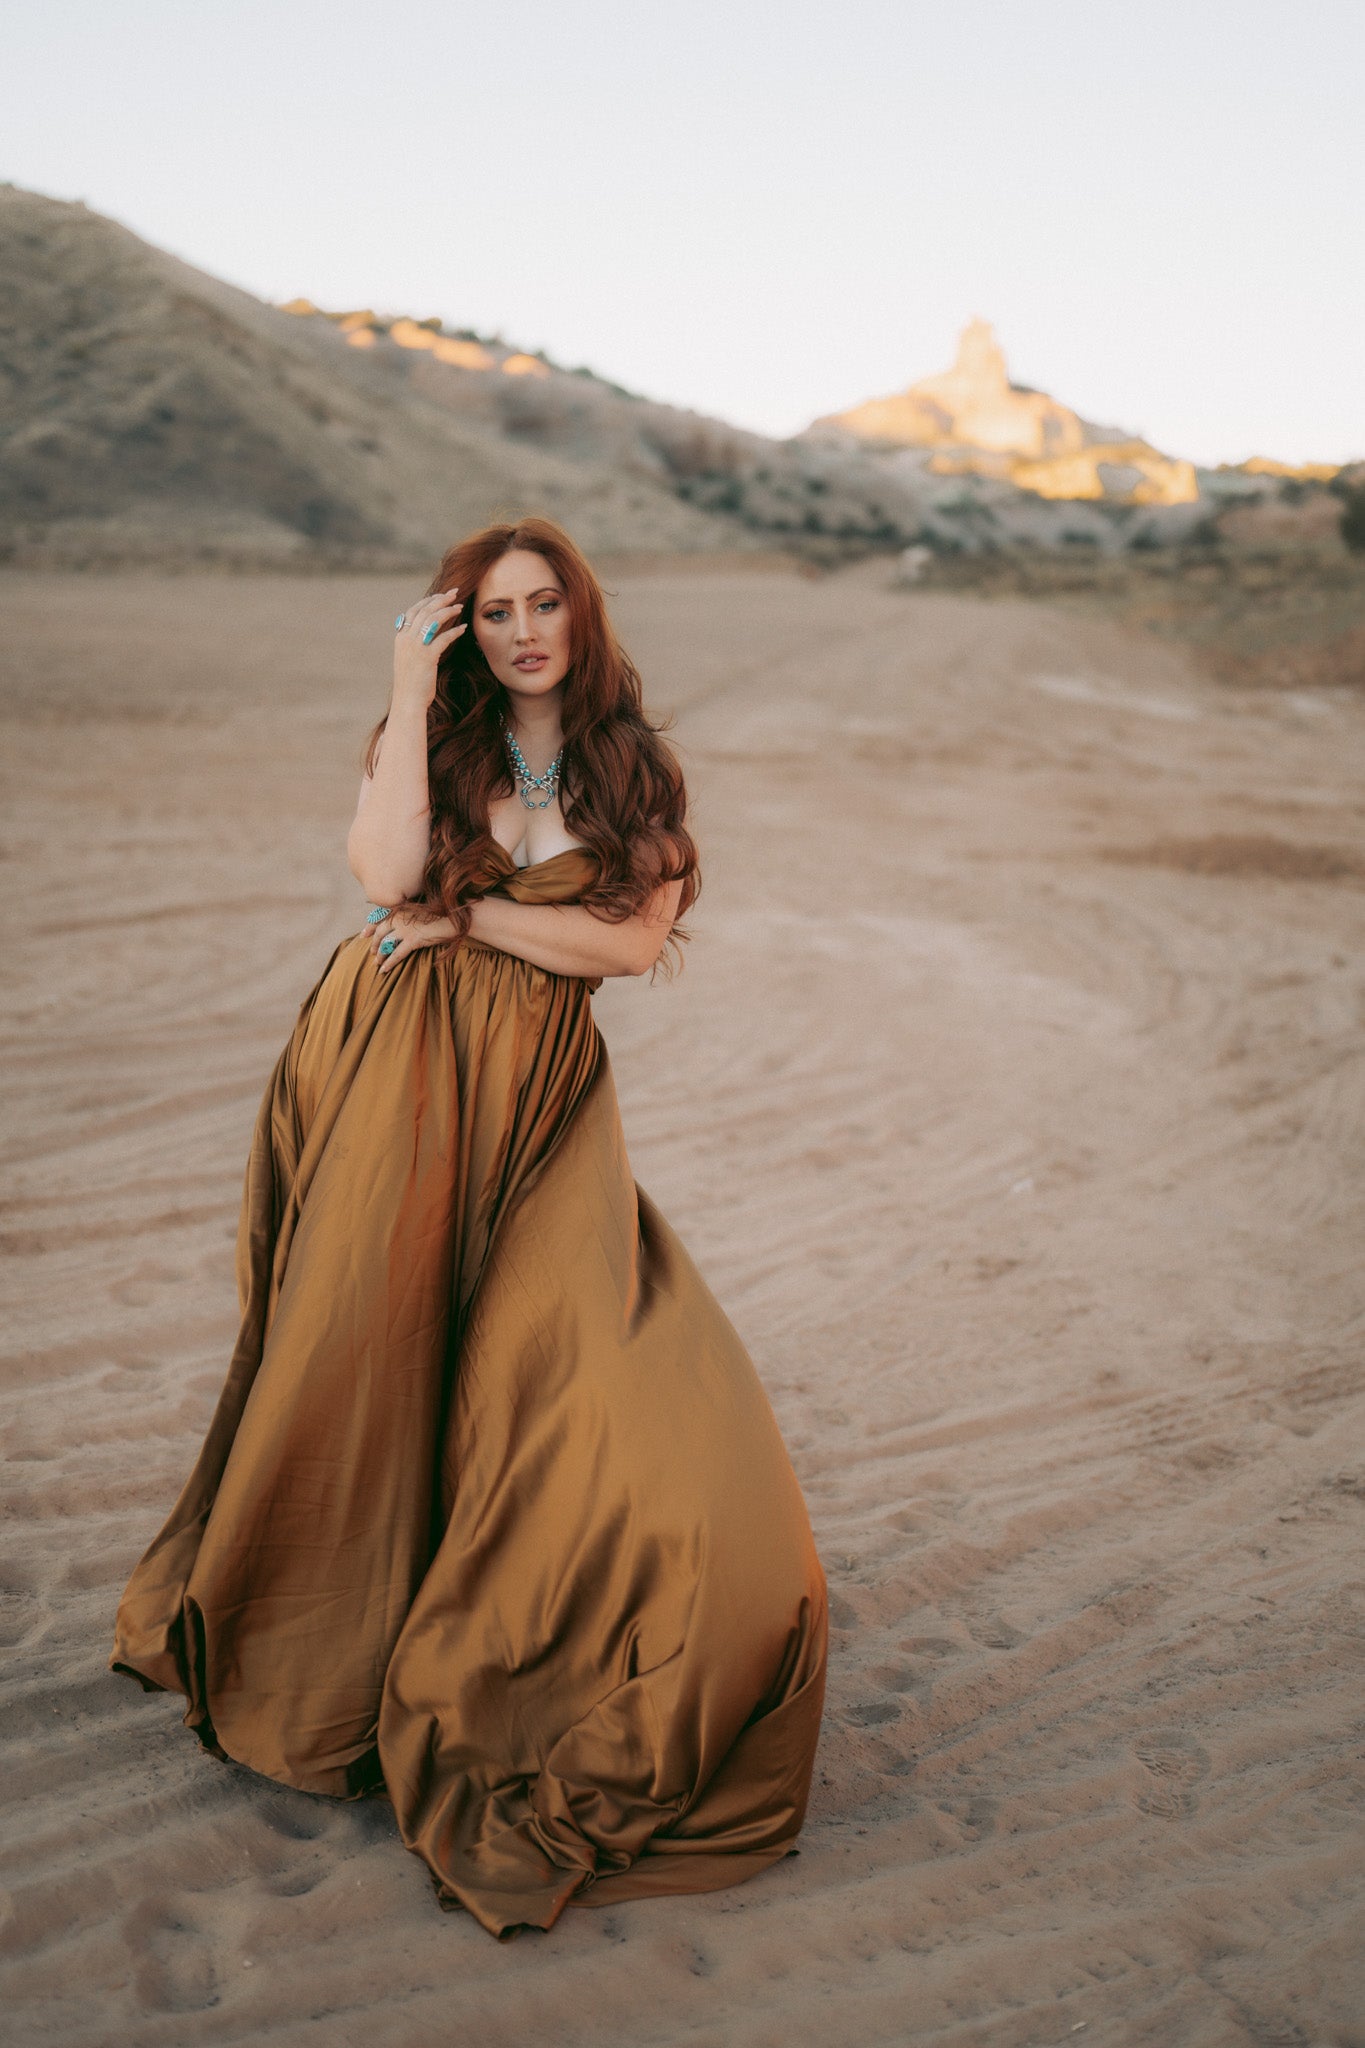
(1000, 467)
(976, 421)
(148, 411)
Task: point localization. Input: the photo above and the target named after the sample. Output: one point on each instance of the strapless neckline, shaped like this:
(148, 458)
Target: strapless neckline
(514, 867)
(561, 877)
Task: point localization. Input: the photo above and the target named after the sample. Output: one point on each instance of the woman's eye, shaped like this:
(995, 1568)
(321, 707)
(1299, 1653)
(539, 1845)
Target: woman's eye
(548, 604)
(496, 614)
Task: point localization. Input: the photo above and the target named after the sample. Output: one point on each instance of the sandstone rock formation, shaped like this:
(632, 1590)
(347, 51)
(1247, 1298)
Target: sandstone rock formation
(972, 405)
(149, 412)
(977, 422)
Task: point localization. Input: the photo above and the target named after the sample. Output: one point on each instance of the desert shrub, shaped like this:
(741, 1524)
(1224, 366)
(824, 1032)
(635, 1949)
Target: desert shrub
(1353, 518)
(1205, 535)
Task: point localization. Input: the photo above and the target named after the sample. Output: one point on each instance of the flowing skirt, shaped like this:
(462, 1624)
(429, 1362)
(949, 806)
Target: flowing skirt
(493, 1515)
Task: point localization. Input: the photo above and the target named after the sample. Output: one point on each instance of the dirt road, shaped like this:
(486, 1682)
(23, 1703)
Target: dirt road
(1012, 1100)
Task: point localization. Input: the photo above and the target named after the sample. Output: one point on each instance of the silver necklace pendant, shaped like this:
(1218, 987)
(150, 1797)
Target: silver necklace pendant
(549, 781)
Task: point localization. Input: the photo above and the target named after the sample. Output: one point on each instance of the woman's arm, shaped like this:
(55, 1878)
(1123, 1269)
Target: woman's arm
(567, 938)
(389, 839)
(564, 938)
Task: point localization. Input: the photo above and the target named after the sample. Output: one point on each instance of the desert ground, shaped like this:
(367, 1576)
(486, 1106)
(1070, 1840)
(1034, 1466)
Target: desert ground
(1012, 1101)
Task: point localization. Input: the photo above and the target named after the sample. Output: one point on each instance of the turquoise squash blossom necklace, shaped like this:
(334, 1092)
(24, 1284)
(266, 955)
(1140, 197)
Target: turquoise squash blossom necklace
(549, 781)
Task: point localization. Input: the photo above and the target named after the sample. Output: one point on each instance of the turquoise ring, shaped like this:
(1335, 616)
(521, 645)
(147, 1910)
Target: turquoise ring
(378, 916)
(399, 622)
(432, 630)
(387, 946)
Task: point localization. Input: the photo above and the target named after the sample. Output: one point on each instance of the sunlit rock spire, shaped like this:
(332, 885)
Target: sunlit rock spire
(975, 419)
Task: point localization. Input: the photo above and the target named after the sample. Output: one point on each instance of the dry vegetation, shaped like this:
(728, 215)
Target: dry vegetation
(1279, 614)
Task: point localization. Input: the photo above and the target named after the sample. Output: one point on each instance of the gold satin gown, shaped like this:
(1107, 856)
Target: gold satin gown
(493, 1516)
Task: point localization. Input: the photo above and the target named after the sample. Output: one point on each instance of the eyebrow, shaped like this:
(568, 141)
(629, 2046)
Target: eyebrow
(545, 590)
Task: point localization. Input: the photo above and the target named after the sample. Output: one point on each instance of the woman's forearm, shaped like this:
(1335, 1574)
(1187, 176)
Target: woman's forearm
(566, 938)
(391, 834)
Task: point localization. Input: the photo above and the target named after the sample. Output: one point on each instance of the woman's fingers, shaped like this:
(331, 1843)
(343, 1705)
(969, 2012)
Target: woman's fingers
(425, 636)
(401, 933)
(441, 637)
(378, 929)
(430, 619)
(419, 615)
(440, 621)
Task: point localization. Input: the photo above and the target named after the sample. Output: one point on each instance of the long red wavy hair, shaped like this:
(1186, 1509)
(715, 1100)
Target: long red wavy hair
(622, 788)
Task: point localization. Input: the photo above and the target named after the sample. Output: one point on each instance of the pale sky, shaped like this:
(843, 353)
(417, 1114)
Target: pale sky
(765, 211)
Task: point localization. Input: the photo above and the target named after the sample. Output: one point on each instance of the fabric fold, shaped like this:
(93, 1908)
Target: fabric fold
(493, 1514)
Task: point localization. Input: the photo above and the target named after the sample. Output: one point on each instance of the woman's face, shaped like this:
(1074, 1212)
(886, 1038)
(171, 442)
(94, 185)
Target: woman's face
(521, 621)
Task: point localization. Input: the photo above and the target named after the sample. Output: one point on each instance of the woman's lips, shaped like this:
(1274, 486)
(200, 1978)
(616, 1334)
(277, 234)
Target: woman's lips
(530, 661)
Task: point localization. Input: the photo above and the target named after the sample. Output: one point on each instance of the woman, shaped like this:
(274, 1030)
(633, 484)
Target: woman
(493, 1515)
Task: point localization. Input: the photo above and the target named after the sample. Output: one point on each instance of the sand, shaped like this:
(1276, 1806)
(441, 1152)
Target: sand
(1011, 1100)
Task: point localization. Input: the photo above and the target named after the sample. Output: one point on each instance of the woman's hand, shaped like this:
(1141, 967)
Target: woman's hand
(411, 932)
(415, 656)
(568, 938)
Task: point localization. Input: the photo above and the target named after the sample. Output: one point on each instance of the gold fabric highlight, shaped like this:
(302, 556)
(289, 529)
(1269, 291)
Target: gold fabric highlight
(493, 1514)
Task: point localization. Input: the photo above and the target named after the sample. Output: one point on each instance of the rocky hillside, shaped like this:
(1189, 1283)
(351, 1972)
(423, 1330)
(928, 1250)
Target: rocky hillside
(977, 422)
(999, 466)
(150, 412)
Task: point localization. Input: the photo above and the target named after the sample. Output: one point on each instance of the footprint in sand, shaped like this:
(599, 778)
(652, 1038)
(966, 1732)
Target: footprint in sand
(1175, 1762)
(299, 1817)
(975, 1817)
(870, 1713)
(175, 1971)
(296, 1884)
(899, 1678)
(995, 1633)
(1273, 2033)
